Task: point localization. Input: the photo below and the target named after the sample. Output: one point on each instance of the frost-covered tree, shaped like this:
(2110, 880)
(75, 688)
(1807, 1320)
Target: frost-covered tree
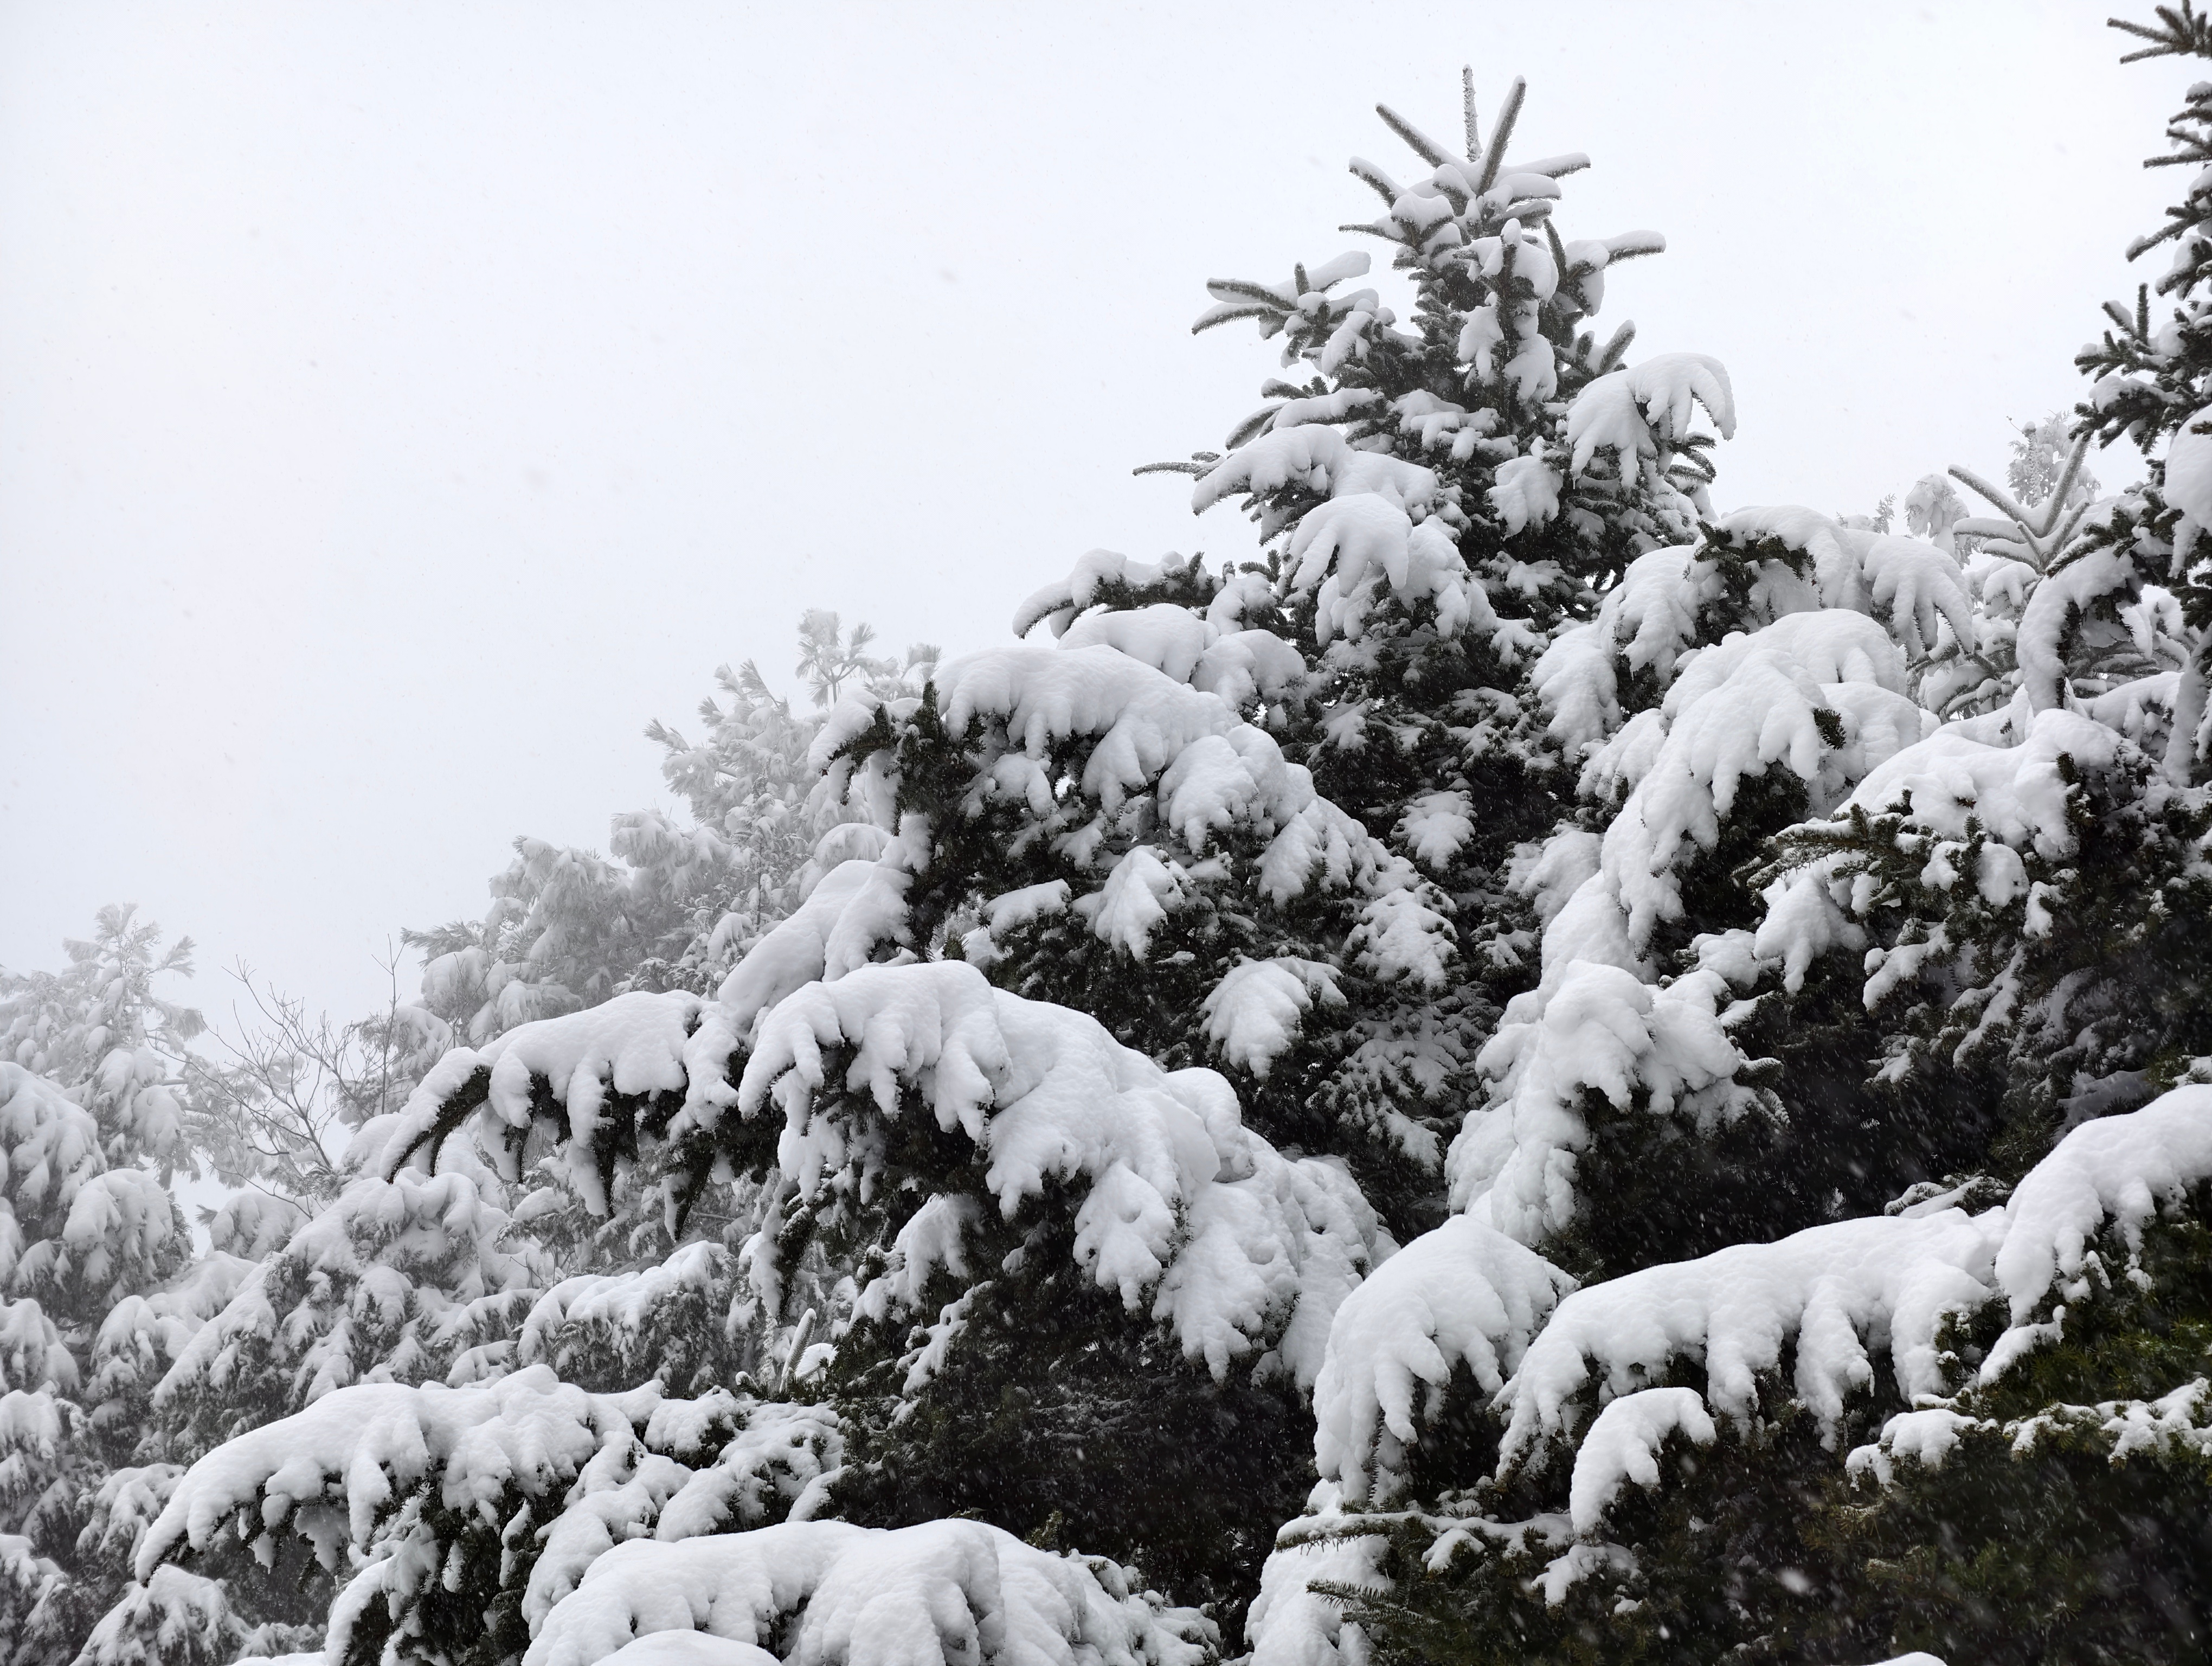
(1960, 967)
(101, 1032)
(1753, 958)
(100, 1288)
(2043, 463)
(1309, 890)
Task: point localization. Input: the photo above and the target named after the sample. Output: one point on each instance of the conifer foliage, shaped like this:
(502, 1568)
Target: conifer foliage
(1547, 1072)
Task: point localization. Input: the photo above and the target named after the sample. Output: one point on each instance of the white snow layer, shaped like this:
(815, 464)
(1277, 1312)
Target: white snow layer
(1638, 412)
(1234, 1248)
(1623, 1445)
(1463, 1295)
(335, 1473)
(1647, 620)
(1292, 1625)
(1828, 1289)
(2016, 795)
(1257, 1010)
(945, 1593)
(1239, 666)
(1835, 1294)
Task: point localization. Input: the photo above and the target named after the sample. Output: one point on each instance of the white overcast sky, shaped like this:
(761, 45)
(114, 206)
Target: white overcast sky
(401, 404)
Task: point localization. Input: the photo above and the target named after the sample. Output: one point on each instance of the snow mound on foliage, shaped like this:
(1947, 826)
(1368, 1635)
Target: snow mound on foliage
(852, 908)
(1349, 550)
(1828, 1290)
(1237, 1248)
(1057, 604)
(2118, 1171)
(1623, 1445)
(364, 1445)
(2016, 793)
(1830, 1296)
(1237, 665)
(1138, 717)
(1600, 1028)
(1637, 411)
(1645, 623)
(2116, 1174)
(1951, 783)
(1463, 1295)
(596, 1469)
(1290, 1624)
(843, 1596)
(1918, 587)
(1255, 1012)
(632, 1044)
(1321, 461)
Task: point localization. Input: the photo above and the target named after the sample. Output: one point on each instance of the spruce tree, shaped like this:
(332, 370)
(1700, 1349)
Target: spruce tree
(1753, 958)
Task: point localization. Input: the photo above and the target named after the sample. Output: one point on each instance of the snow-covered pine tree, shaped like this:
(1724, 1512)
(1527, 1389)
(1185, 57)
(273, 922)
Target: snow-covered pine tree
(100, 1289)
(1152, 1387)
(101, 1032)
(1437, 500)
(1998, 924)
(1795, 822)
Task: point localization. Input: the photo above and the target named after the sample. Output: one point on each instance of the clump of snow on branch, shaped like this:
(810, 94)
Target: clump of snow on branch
(1184, 1212)
(373, 1476)
(1638, 412)
(1463, 1296)
(1831, 1301)
(1623, 1445)
(829, 1591)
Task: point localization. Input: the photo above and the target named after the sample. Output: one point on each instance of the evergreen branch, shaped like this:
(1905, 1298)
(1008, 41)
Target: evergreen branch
(1171, 468)
(1467, 114)
(1227, 288)
(1503, 133)
(2150, 241)
(1382, 228)
(1252, 426)
(1555, 168)
(2044, 529)
(2186, 35)
(1229, 312)
(1420, 142)
(1376, 180)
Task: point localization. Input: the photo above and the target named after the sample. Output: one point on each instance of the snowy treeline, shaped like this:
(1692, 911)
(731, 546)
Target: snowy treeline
(1550, 1072)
